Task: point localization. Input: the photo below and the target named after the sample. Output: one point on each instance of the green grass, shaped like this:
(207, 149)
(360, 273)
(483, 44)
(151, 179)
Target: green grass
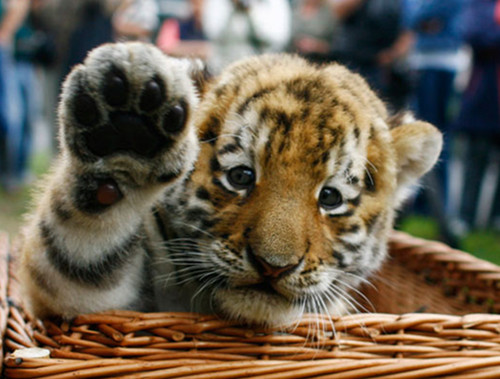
(484, 244)
(15, 204)
(419, 226)
(40, 163)
(12, 207)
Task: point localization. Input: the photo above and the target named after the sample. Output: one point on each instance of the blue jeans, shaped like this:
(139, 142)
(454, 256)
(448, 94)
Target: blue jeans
(29, 109)
(434, 91)
(10, 117)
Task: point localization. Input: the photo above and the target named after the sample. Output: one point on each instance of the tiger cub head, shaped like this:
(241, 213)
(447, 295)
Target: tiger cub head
(296, 186)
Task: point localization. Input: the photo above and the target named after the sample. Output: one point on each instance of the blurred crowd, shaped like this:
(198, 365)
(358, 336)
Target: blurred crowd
(439, 58)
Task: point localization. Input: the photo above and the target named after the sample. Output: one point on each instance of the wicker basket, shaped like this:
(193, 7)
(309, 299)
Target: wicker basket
(458, 339)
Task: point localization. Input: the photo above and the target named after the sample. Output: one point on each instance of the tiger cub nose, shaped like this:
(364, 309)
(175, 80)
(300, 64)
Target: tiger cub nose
(267, 270)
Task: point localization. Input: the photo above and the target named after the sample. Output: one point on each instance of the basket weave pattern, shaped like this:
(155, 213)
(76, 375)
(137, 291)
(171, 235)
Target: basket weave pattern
(420, 275)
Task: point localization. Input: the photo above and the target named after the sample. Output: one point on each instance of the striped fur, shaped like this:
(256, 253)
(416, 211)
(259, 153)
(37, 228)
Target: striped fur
(82, 255)
(281, 205)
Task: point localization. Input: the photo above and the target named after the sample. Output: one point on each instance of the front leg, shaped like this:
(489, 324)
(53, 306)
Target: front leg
(126, 138)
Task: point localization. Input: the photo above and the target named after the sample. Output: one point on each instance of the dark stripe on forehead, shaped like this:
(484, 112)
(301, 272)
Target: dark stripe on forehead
(328, 135)
(284, 145)
(284, 124)
(97, 273)
(284, 121)
(339, 106)
(269, 144)
(305, 113)
(325, 118)
(257, 95)
(307, 89)
(229, 89)
(211, 129)
(321, 160)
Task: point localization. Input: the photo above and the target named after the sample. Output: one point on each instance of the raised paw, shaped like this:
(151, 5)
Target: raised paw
(128, 100)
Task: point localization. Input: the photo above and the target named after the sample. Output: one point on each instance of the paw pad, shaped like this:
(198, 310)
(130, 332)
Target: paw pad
(126, 99)
(85, 109)
(153, 95)
(115, 89)
(174, 120)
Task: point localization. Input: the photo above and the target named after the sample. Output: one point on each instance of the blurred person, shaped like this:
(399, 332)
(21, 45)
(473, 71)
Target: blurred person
(436, 58)
(94, 27)
(30, 48)
(373, 42)
(184, 37)
(479, 116)
(313, 30)
(240, 28)
(136, 20)
(75, 27)
(12, 15)
(61, 18)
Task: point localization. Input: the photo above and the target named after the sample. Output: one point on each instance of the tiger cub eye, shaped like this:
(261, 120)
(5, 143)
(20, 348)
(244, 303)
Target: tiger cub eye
(108, 193)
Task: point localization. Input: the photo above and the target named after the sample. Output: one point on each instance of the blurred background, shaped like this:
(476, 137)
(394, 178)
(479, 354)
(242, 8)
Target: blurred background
(440, 59)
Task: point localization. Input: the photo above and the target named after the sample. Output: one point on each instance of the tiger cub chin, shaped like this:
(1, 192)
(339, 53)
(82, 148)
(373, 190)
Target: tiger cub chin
(272, 197)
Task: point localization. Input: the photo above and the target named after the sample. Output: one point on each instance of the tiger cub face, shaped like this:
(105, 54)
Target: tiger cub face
(295, 188)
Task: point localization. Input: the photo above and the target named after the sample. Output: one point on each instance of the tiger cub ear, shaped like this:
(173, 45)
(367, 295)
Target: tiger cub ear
(199, 73)
(417, 145)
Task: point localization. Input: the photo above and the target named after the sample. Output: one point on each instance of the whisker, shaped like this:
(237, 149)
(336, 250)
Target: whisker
(219, 136)
(359, 293)
(348, 299)
(361, 324)
(204, 286)
(194, 227)
(326, 313)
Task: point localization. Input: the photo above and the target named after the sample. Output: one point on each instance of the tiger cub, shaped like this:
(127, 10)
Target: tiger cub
(273, 197)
